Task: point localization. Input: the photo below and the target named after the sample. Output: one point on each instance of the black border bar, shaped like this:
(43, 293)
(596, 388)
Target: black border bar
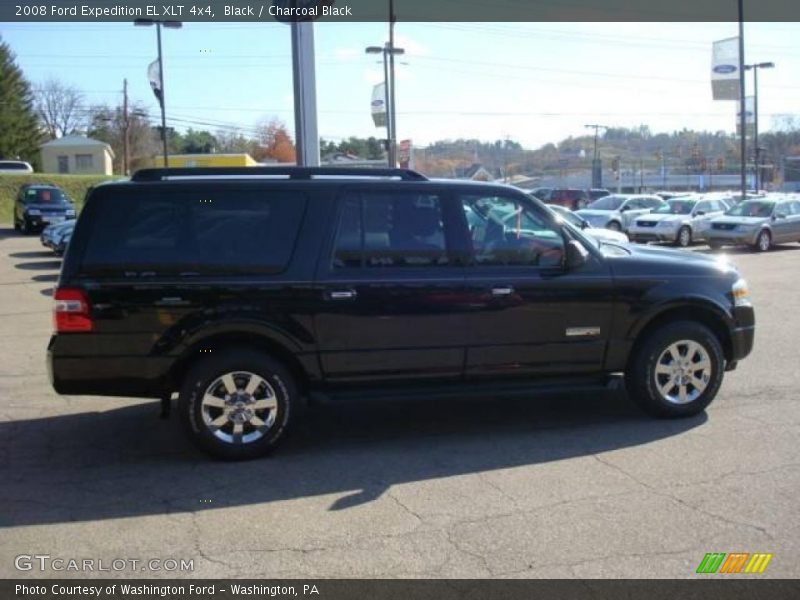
(406, 10)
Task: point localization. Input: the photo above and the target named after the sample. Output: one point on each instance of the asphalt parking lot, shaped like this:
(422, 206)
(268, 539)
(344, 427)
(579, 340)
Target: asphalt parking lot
(569, 486)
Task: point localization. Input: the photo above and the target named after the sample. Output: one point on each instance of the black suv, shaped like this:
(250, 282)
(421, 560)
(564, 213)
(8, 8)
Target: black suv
(252, 291)
(40, 204)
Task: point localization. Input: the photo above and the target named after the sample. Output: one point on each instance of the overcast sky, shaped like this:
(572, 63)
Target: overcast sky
(533, 82)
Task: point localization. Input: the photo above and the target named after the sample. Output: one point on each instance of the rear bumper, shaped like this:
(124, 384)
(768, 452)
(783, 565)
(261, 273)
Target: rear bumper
(124, 376)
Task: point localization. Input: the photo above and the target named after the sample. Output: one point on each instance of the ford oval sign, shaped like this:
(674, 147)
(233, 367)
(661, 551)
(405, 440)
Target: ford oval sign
(724, 69)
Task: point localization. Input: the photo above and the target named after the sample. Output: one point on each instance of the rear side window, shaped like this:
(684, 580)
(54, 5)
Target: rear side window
(390, 230)
(216, 231)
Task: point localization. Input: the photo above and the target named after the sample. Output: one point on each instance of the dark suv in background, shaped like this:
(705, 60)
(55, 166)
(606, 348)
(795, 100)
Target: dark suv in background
(250, 291)
(39, 205)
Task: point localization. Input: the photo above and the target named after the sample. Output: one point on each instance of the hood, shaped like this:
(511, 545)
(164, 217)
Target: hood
(49, 206)
(606, 235)
(663, 218)
(665, 261)
(741, 220)
(588, 213)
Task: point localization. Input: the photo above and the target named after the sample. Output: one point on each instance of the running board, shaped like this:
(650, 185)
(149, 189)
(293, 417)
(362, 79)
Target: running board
(476, 389)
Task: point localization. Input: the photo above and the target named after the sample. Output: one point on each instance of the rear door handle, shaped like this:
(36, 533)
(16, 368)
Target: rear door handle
(502, 291)
(341, 295)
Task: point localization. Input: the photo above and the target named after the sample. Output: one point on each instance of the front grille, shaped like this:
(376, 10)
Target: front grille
(723, 226)
(646, 223)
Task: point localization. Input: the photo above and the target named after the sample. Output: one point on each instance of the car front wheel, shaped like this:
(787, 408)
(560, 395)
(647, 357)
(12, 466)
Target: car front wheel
(238, 405)
(677, 370)
(684, 238)
(614, 226)
(763, 241)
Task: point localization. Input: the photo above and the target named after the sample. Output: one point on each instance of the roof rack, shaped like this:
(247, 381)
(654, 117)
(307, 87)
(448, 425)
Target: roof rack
(302, 173)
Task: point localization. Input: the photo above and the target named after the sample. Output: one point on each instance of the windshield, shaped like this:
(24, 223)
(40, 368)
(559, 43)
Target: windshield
(44, 195)
(607, 203)
(676, 207)
(752, 209)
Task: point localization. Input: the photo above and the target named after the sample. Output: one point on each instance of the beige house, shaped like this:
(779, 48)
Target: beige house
(79, 155)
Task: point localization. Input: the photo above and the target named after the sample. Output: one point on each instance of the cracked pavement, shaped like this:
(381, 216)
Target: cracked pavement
(560, 486)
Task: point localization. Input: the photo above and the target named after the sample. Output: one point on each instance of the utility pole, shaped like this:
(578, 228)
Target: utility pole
(305, 95)
(755, 67)
(743, 116)
(597, 173)
(125, 129)
(393, 113)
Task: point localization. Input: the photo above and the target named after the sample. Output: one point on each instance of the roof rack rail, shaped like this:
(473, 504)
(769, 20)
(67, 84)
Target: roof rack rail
(306, 173)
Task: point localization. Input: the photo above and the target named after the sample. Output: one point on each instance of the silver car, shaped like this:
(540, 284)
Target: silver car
(618, 211)
(601, 234)
(682, 220)
(757, 223)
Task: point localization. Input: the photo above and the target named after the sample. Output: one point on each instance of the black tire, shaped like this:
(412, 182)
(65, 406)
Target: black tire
(614, 226)
(763, 241)
(26, 228)
(684, 237)
(642, 379)
(16, 225)
(206, 372)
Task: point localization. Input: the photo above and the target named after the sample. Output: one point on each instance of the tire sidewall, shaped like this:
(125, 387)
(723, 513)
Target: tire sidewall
(761, 234)
(645, 390)
(680, 237)
(205, 372)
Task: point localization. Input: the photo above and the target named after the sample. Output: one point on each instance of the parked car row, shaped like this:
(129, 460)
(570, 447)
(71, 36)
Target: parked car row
(759, 222)
(571, 198)
(57, 236)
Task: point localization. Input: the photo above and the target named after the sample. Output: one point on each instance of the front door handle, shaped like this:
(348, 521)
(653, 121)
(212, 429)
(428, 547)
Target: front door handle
(502, 291)
(341, 295)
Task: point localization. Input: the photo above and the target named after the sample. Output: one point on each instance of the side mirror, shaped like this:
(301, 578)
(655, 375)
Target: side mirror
(625, 209)
(780, 215)
(577, 255)
(700, 213)
(585, 224)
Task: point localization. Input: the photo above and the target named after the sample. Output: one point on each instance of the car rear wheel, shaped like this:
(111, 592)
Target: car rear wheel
(614, 226)
(763, 241)
(684, 238)
(239, 405)
(677, 370)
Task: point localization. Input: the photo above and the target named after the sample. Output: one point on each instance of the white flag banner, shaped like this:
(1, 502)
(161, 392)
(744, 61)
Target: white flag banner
(154, 75)
(378, 105)
(725, 69)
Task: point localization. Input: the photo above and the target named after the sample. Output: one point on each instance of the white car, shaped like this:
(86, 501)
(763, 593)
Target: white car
(681, 221)
(15, 166)
(618, 211)
(601, 234)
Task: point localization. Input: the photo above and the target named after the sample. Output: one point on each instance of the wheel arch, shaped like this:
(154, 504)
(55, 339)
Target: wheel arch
(219, 342)
(703, 312)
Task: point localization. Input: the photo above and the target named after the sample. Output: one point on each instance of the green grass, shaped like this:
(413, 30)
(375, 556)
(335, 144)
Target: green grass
(74, 186)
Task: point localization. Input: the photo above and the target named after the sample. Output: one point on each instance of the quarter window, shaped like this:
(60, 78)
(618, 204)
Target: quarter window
(505, 232)
(390, 230)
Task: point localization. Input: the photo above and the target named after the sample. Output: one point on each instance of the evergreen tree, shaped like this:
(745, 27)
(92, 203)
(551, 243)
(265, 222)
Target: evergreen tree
(19, 128)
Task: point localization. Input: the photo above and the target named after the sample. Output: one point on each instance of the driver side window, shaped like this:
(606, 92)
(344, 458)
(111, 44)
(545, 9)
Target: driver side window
(505, 232)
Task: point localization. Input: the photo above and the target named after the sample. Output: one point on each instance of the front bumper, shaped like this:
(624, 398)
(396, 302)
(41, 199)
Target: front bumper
(652, 234)
(732, 237)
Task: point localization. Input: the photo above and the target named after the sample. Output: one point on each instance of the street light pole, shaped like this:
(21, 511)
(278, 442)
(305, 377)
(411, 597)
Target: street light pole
(393, 138)
(388, 50)
(162, 99)
(755, 67)
(742, 117)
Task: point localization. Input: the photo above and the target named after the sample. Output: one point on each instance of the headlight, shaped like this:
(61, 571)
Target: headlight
(34, 212)
(743, 227)
(741, 294)
(667, 224)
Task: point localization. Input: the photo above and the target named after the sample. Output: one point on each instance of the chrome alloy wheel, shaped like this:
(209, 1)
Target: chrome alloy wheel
(683, 372)
(763, 241)
(239, 407)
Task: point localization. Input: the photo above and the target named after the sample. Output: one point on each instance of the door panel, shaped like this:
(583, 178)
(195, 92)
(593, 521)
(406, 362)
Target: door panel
(391, 292)
(531, 318)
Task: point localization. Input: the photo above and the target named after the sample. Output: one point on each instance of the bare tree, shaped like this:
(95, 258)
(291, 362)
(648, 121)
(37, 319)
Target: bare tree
(59, 108)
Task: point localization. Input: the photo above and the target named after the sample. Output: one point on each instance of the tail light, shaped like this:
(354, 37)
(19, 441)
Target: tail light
(71, 311)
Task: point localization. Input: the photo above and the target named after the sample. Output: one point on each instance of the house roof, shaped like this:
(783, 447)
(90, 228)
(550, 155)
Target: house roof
(76, 140)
